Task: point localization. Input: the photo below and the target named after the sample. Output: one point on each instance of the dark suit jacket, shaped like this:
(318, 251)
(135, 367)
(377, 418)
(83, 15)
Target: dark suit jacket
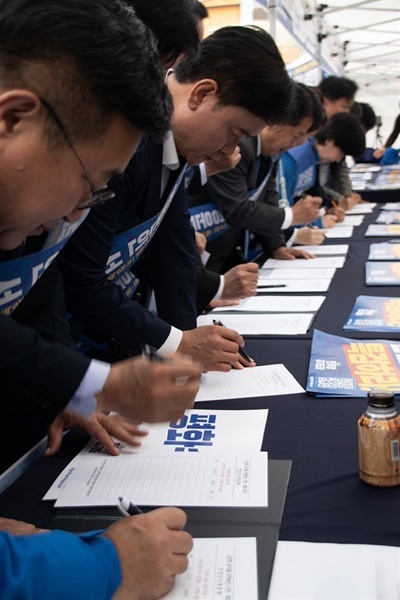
(39, 372)
(229, 191)
(99, 303)
(207, 286)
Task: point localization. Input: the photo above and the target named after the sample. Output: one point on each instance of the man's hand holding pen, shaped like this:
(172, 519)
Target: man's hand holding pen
(306, 209)
(151, 391)
(217, 348)
(244, 360)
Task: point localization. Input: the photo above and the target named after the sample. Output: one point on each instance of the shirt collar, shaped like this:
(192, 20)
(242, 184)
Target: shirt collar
(258, 145)
(170, 155)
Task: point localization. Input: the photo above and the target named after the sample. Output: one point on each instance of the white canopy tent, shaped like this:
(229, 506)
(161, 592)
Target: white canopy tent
(357, 39)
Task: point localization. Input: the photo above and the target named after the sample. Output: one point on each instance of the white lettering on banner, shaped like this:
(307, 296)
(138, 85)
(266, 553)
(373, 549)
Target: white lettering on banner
(206, 219)
(136, 244)
(67, 231)
(6, 293)
(113, 263)
(124, 280)
(38, 270)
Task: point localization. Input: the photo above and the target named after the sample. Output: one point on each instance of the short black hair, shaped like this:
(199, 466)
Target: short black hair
(305, 103)
(368, 116)
(356, 109)
(89, 59)
(200, 10)
(346, 132)
(173, 22)
(246, 64)
(333, 88)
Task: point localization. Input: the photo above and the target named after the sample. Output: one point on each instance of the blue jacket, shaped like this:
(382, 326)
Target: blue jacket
(298, 168)
(58, 565)
(298, 172)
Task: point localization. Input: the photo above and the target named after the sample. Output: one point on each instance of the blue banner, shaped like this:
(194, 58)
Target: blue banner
(129, 245)
(208, 220)
(19, 275)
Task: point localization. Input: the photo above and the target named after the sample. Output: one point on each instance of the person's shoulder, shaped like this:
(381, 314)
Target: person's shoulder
(248, 146)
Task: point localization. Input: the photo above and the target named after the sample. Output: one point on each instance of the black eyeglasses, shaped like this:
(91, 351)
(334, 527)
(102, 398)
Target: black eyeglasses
(98, 196)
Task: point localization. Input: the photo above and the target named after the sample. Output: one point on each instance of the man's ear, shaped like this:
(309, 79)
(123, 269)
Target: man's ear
(17, 107)
(202, 90)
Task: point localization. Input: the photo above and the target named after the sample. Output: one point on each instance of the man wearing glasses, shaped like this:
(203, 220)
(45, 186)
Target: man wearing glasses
(79, 82)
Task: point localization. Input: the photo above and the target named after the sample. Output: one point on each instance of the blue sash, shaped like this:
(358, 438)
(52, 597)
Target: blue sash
(129, 245)
(207, 219)
(19, 275)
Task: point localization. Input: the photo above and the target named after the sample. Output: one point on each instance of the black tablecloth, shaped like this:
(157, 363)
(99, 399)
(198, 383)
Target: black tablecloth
(326, 501)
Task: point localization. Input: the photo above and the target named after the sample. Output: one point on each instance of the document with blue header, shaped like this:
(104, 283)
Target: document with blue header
(224, 568)
(200, 431)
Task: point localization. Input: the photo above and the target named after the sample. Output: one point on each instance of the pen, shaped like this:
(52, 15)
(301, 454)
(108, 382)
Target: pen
(127, 509)
(152, 355)
(277, 285)
(334, 204)
(241, 351)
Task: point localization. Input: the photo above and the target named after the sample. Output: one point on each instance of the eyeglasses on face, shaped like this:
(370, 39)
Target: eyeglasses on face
(98, 196)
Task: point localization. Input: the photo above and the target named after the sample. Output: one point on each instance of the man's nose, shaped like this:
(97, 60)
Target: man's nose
(229, 148)
(73, 216)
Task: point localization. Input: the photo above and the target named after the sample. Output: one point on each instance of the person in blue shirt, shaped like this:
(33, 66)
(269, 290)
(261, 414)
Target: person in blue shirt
(136, 557)
(303, 168)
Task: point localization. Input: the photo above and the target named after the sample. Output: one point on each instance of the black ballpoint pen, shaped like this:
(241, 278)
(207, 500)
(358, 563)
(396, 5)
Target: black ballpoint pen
(277, 285)
(127, 508)
(241, 351)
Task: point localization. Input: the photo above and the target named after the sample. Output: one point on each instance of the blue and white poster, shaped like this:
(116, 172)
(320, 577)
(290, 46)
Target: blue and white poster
(382, 273)
(385, 251)
(374, 313)
(345, 367)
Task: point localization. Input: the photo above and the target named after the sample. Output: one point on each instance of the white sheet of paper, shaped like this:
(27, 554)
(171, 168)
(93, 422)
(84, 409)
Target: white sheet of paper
(169, 480)
(296, 285)
(268, 274)
(311, 571)
(204, 431)
(338, 232)
(361, 209)
(390, 206)
(219, 568)
(263, 324)
(326, 249)
(351, 221)
(266, 380)
(320, 262)
(277, 304)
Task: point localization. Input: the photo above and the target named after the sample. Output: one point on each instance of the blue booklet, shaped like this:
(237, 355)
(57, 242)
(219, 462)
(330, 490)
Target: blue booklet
(343, 367)
(374, 313)
(382, 273)
(382, 230)
(385, 251)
